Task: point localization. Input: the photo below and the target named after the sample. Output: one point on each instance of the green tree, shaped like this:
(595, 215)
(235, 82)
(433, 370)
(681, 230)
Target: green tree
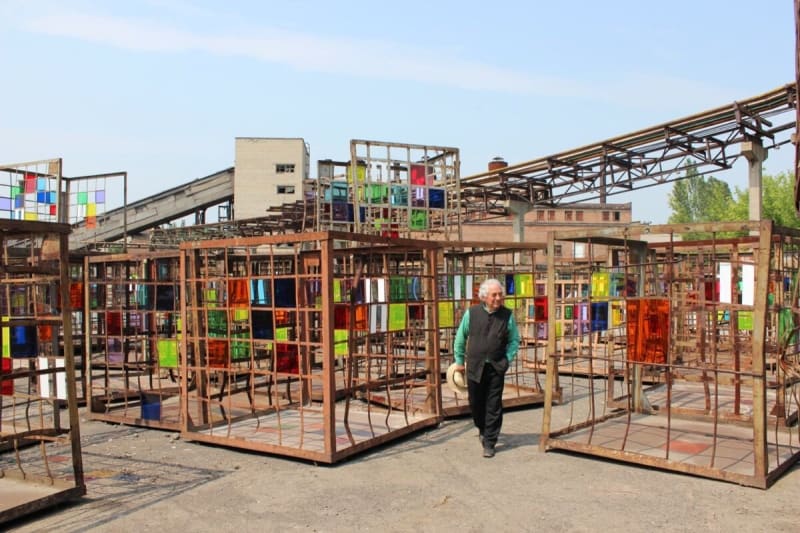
(777, 200)
(700, 199)
(697, 199)
(777, 196)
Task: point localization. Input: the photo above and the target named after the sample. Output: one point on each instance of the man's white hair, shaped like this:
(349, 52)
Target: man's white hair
(483, 291)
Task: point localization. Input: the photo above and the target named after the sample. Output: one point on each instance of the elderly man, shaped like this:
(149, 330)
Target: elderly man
(489, 338)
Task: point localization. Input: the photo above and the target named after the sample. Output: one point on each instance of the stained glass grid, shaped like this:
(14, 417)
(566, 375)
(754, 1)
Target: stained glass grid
(28, 191)
(87, 200)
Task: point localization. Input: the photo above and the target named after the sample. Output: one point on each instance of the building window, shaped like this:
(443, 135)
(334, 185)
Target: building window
(557, 250)
(540, 216)
(616, 216)
(551, 215)
(285, 189)
(567, 215)
(284, 168)
(606, 217)
(579, 216)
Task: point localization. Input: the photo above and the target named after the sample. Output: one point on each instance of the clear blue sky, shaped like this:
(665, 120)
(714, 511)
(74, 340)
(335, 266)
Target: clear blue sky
(161, 88)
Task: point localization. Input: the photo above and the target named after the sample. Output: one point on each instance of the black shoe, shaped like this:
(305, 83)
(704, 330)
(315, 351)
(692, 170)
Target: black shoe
(488, 451)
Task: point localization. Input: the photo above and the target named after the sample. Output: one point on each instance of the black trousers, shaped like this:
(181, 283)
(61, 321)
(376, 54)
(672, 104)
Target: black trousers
(486, 403)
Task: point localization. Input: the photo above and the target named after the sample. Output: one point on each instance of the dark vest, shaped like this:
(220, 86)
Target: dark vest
(487, 340)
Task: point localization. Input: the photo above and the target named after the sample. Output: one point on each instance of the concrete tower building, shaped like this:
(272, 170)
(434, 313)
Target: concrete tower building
(269, 172)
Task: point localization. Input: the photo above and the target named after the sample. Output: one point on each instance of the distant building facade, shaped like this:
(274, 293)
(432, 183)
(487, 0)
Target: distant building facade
(269, 172)
(544, 219)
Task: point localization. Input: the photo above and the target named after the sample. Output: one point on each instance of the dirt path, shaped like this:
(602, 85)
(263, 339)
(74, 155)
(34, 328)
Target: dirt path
(146, 480)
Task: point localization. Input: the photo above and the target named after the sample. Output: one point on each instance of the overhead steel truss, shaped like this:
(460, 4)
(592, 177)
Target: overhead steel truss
(646, 158)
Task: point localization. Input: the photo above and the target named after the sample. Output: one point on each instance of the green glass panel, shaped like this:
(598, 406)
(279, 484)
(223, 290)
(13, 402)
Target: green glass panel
(240, 350)
(340, 337)
(746, 320)
(523, 285)
(217, 324)
(786, 326)
(397, 317)
(167, 353)
(419, 220)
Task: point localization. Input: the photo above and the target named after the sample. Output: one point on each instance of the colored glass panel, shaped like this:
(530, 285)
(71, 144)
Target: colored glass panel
(397, 317)
(285, 293)
(378, 193)
(51, 197)
(599, 316)
(53, 209)
(99, 197)
(30, 184)
(41, 184)
(240, 350)
(418, 174)
(23, 341)
(237, 292)
(7, 385)
(113, 323)
(600, 284)
(210, 297)
(746, 320)
(19, 201)
(5, 203)
(436, 198)
(417, 197)
(91, 222)
(399, 195)
(647, 330)
(76, 295)
(419, 220)
(91, 210)
(397, 289)
(41, 197)
(286, 359)
(165, 298)
(360, 173)
(786, 333)
(510, 284)
(260, 292)
(282, 334)
(167, 353)
(540, 308)
(31, 216)
(263, 327)
(446, 315)
(217, 323)
(6, 342)
(218, 356)
(617, 313)
(83, 198)
(523, 285)
(314, 292)
(340, 346)
(414, 288)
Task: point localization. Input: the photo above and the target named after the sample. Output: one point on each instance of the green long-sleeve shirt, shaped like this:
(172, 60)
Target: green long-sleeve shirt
(460, 344)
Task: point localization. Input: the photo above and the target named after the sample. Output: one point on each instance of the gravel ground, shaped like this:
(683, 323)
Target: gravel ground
(436, 480)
